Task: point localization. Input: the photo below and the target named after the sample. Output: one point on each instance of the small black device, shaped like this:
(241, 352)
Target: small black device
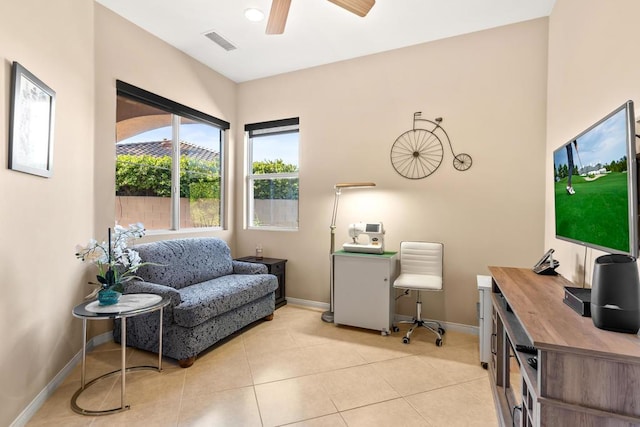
(533, 362)
(579, 299)
(526, 349)
(546, 265)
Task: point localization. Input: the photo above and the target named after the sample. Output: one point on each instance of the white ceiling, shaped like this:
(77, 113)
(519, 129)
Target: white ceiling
(317, 31)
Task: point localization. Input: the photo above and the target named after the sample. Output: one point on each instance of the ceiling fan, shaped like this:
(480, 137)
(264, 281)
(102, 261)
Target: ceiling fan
(280, 11)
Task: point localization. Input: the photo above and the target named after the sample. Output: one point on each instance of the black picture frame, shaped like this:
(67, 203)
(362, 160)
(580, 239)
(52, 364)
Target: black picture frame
(31, 123)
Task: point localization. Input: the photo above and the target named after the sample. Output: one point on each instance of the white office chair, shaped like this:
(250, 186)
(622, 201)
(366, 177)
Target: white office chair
(421, 270)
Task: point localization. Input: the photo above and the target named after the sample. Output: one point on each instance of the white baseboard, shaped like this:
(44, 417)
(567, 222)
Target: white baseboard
(449, 326)
(42, 397)
(308, 303)
(458, 327)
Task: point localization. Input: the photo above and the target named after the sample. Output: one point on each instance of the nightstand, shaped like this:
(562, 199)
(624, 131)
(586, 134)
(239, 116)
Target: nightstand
(276, 267)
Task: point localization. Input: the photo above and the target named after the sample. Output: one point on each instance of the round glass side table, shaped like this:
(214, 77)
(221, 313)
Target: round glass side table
(129, 305)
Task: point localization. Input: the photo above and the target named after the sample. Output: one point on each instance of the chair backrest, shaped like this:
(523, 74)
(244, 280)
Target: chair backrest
(421, 258)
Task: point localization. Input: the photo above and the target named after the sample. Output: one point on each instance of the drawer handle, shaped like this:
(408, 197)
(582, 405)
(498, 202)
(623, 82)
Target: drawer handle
(493, 346)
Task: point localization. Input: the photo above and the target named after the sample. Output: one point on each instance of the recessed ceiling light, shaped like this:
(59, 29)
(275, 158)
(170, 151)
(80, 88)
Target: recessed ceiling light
(254, 15)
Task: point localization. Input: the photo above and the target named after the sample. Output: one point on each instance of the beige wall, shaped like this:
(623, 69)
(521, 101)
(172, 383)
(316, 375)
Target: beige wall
(593, 69)
(42, 219)
(490, 88)
(128, 53)
(79, 49)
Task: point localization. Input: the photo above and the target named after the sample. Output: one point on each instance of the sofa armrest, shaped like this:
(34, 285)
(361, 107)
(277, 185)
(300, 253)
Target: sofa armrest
(137, 287)
(242, 267)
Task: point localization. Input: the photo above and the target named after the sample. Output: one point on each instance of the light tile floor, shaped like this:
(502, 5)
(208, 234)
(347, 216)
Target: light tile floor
(295, 370)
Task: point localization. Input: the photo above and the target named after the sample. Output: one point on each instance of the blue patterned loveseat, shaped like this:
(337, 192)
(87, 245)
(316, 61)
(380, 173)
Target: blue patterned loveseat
(212, 296)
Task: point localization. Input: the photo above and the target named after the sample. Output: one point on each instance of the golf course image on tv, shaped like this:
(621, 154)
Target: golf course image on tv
(591, 186)
(596, 213)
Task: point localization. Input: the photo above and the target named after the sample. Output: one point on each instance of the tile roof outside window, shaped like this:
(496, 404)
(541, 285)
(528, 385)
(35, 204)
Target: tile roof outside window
(163, 148)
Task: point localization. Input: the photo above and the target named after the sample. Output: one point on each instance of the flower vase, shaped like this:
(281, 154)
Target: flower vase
(108, 297)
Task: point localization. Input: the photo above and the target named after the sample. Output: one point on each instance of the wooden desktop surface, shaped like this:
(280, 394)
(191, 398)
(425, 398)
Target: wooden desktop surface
(537, 302)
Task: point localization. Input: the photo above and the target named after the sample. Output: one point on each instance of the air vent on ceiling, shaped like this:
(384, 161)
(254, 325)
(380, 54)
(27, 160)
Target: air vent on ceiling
(220, 41)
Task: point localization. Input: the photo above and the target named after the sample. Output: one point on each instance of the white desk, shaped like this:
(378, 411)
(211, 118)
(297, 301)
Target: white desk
(363, 291)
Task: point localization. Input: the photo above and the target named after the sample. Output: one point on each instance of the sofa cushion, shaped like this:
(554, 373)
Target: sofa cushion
(205, 300)
(184, 262)
(241, 267)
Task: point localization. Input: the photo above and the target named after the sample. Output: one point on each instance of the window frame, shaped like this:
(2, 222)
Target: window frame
(177, 111)
(273, 127)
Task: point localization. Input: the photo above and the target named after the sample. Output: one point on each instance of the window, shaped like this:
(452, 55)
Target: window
(169, 161)
(272, 179)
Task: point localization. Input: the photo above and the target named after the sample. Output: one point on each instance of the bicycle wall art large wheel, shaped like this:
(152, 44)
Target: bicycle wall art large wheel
(417, 153)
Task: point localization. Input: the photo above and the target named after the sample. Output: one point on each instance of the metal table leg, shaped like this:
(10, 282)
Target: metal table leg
(123, 369)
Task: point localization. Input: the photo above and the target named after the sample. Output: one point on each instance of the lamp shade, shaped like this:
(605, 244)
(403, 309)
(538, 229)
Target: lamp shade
(354, 185)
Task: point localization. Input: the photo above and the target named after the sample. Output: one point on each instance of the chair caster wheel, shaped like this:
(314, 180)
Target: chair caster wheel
(406, 340)
(439, 342)
(395, 329)
(441, 331)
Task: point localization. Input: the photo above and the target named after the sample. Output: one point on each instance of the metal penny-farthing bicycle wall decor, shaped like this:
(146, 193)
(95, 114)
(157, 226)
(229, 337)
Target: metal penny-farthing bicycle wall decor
(418, 152)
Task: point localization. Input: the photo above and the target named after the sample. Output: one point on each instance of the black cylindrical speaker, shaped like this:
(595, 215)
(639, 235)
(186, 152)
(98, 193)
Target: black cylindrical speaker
(615, 294)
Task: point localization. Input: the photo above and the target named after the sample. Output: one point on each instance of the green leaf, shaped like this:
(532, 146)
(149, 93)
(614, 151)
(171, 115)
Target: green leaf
(110, 277)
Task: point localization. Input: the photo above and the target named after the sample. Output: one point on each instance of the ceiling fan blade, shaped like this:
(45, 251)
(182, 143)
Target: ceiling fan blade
(278, 16)
(359, 7)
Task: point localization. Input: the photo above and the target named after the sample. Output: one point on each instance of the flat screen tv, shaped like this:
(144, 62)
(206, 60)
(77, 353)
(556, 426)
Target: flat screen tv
(595, 185)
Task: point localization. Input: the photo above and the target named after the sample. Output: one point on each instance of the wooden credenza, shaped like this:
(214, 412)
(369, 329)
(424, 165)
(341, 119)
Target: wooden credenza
(585, 376)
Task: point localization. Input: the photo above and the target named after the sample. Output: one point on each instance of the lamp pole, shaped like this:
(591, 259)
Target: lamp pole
(327, 316)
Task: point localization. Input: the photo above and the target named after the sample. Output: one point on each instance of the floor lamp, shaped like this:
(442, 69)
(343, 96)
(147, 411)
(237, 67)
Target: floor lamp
(327, 316)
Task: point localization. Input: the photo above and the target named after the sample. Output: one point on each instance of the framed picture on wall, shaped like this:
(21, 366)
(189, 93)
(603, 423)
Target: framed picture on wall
(31, 123)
